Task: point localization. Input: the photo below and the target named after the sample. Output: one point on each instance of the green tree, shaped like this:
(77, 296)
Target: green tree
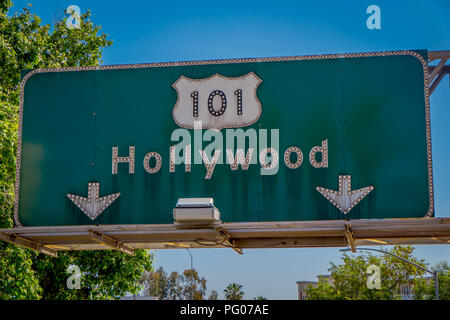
(259, 298)
(349, 279)
(185, 286)
(214, 295)
(27, 44)
(4, 5)
(323, 291)
(194, 286)
(156, 284)
(233, 292)
(104, 274)
(425, 288)
(175, 286)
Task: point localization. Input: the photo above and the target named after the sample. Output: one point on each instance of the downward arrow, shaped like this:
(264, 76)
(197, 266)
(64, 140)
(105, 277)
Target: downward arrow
(93, 205)
(345, 199)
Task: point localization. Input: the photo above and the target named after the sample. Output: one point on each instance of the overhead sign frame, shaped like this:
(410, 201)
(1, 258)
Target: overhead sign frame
(126, 238)
(238, 236)
(323, 190)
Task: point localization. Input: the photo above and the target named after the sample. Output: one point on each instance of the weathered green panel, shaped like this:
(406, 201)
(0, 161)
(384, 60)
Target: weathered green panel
(371, 108)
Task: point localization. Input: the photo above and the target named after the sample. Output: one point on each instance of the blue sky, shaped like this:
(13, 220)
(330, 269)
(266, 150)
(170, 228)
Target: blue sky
(150, 31)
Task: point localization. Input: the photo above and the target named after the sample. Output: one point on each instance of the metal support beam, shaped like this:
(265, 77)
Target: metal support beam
(226, 239)
(351, 241)
(442, 239)
(111, 242)
(374, 241)
(437, 72)
(15, 239)
(176, 244)
(281, 234)
(437, 81)
(433, 55)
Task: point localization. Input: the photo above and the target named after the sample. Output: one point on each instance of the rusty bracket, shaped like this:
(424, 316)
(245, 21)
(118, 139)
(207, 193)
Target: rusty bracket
(350, 236)
(226, 239)
(110, 242)
(437, 72)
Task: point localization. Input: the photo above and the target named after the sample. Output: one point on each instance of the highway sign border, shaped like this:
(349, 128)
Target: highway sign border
(229, 61)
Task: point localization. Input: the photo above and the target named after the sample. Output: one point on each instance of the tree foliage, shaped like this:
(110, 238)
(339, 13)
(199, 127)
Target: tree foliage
(425, 288)
(194, 286)
(214, 295)
(25, 43)
(18, 280)
(104, 274)
(185, 286)
(349, 279)
(233, 292)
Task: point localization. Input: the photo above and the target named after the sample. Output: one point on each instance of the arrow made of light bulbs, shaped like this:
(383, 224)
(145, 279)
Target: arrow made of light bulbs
(93, 205)
(345, 199)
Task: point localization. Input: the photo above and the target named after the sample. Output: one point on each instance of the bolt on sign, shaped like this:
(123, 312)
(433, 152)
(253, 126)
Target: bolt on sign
(269, 139)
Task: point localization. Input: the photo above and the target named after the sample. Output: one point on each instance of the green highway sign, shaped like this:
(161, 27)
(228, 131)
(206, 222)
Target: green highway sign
(268, 139)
